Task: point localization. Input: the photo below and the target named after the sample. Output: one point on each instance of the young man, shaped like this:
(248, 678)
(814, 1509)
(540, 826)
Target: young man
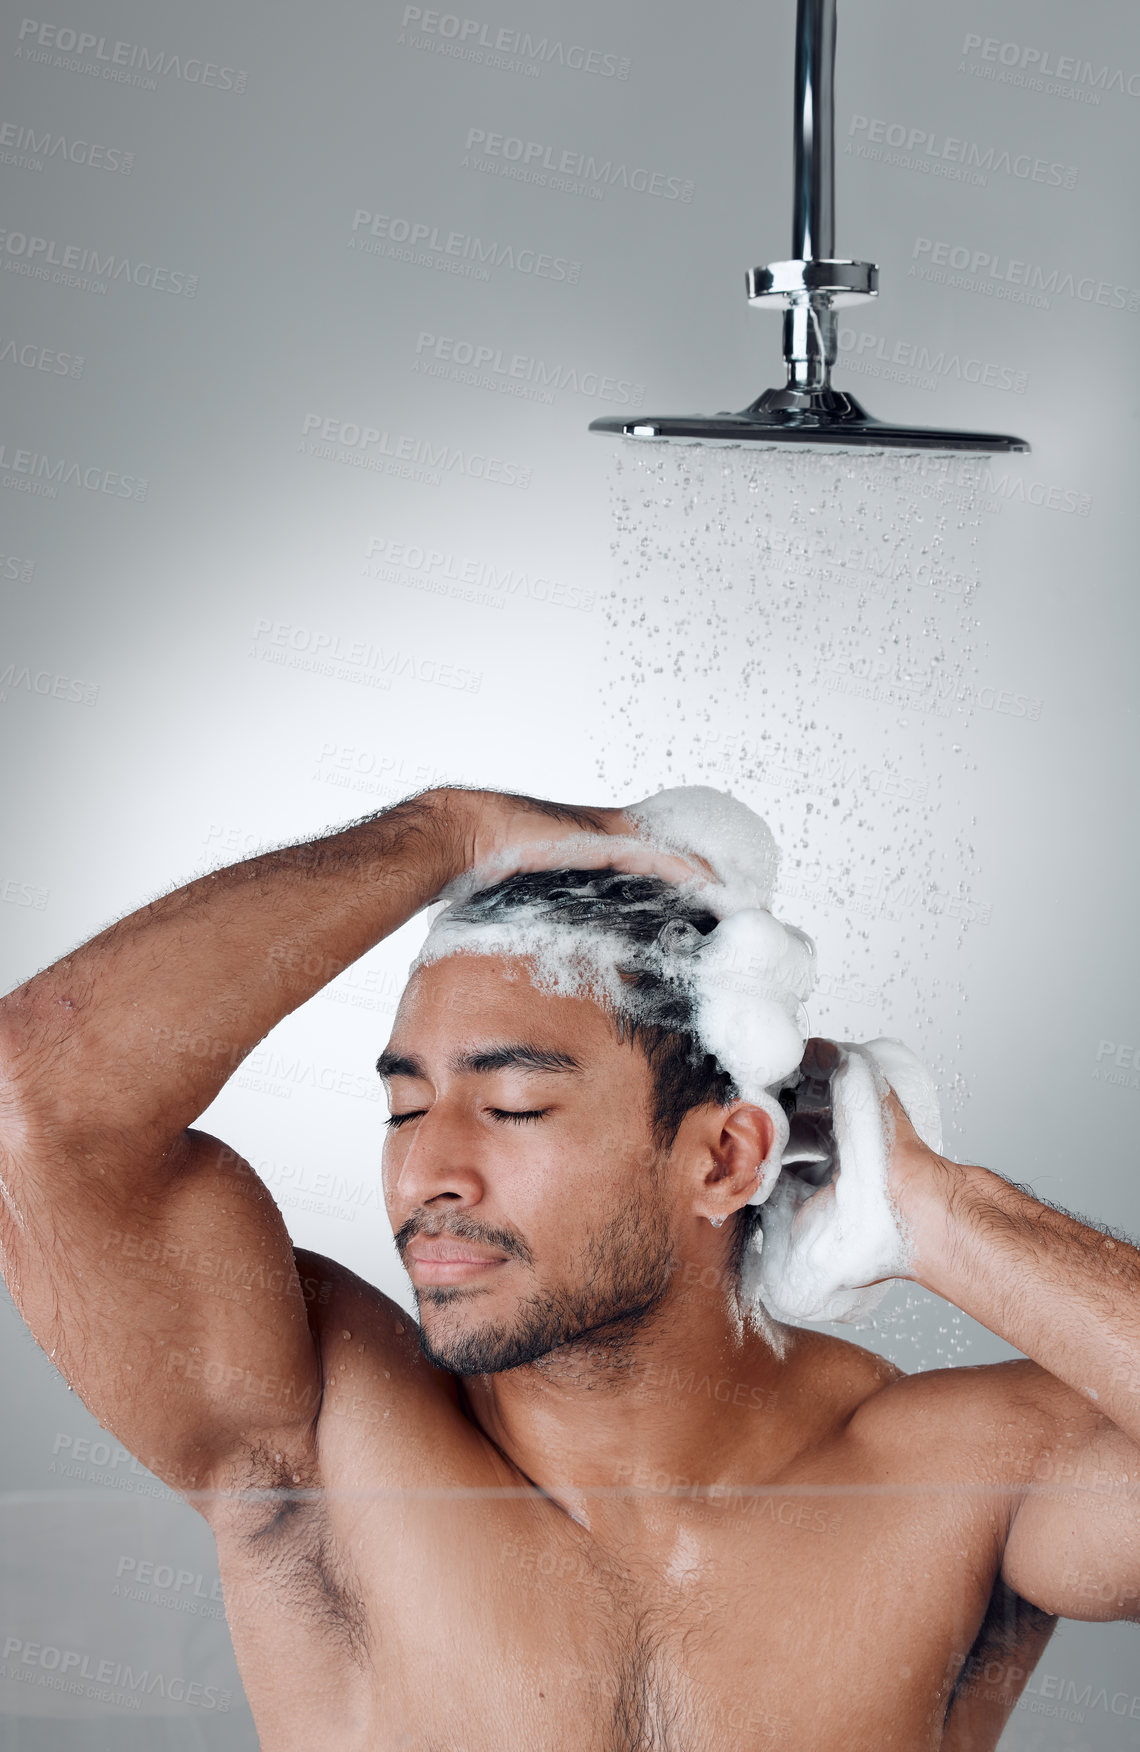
(591, 1503)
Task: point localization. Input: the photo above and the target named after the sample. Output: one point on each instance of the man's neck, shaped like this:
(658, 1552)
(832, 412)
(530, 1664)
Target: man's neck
(606, 1425)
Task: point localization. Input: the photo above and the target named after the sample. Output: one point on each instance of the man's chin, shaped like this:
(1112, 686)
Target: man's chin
(465, 1345)
(470, 1347)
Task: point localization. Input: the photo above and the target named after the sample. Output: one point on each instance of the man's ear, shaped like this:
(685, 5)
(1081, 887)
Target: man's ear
(734, 1141)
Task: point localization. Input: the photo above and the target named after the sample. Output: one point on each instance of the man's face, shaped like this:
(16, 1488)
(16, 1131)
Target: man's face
(528, 1202)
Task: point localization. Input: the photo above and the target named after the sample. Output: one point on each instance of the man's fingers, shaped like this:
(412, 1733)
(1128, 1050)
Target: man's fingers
(821, 1057)
(591, 852)
(634, 828)
(905, 1133)
(519, 834)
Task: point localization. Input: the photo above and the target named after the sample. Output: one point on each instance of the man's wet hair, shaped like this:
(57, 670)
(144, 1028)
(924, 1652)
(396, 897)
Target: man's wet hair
(647, 919)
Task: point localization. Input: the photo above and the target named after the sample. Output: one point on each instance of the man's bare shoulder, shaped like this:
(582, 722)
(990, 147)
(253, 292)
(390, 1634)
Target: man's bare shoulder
(333, 1294)
(381, 1399)
(361, 1333)
(998, 1416)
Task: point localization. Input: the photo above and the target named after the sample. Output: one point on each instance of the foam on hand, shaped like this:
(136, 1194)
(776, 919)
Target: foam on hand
(829, 1252)
(820, 1250)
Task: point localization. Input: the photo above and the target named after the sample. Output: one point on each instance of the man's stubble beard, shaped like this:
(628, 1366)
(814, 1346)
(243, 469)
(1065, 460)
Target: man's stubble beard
(623, 1276)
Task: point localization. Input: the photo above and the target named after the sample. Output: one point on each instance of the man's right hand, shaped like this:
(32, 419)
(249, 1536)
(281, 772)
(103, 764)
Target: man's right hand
(502, 834)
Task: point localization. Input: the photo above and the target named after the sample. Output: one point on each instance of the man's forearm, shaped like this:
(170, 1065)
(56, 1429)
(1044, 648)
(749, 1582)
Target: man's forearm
(135, 1033)
(1063, 1293)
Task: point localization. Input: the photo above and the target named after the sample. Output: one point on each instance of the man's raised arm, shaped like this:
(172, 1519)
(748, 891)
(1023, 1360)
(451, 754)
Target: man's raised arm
(136, 1032)
(114, 1216)
(1068, 1296)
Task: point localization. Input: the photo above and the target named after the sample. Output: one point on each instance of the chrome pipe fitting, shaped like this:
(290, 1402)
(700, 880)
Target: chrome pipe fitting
(810, 287)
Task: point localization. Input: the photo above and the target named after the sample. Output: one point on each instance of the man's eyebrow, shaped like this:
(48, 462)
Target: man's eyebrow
(398, 1064)
(518, 1055)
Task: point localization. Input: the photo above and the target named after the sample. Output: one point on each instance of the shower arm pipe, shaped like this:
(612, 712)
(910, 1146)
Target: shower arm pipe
(813, 190)
(811, 286)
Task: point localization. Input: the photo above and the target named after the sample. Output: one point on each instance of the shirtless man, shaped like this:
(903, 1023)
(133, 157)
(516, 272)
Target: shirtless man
(587, 1507)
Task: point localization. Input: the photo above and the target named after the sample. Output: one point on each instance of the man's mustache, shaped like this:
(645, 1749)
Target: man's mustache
(461, 1228)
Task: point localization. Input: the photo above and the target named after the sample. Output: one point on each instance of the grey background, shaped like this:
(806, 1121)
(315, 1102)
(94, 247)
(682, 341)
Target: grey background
(158, 720)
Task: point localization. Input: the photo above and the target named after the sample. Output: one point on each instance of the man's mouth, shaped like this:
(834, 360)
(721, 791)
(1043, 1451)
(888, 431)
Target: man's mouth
(440, 1260)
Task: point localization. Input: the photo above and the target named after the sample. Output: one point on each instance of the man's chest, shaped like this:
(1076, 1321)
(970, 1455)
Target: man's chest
(766, 1618)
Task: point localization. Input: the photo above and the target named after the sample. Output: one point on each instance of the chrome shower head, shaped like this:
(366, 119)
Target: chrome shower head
(809, 289)
(840, 424)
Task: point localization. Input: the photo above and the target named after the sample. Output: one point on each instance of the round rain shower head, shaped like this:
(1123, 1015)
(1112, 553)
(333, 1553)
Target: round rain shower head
(809, 289)
(849, 428)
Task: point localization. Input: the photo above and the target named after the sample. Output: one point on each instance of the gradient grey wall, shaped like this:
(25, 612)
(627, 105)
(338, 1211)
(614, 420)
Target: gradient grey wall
(299, 513)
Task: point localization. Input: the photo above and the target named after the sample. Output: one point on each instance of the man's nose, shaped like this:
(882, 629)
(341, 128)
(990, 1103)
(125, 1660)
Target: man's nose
(441, 1160)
